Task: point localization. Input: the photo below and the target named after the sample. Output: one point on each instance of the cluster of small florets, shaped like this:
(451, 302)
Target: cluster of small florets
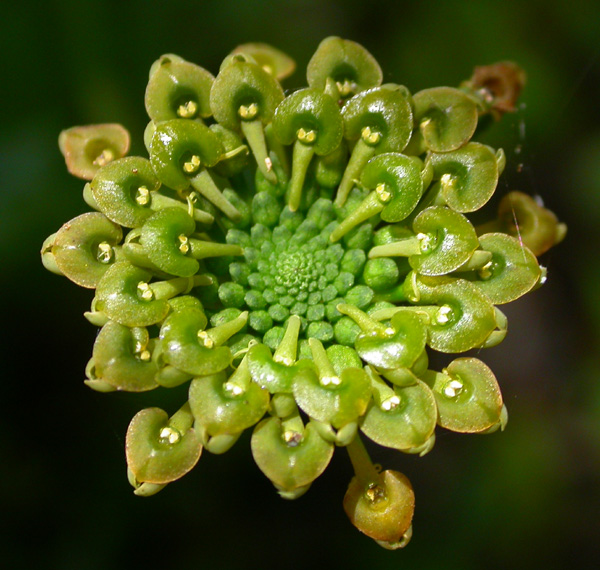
(294, 258)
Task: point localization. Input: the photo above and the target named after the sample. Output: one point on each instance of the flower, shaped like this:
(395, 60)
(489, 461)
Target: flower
(294, 258)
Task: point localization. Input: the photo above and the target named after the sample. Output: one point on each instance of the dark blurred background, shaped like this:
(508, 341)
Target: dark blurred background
(525, 498)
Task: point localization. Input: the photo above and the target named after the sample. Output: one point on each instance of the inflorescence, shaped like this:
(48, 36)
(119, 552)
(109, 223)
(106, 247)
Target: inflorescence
(293, 257)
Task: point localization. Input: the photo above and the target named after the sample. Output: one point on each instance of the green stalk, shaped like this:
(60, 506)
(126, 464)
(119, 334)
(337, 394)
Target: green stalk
(206, 186)
(302, 155)
(368, 208)
(361, 154)
(255, 135)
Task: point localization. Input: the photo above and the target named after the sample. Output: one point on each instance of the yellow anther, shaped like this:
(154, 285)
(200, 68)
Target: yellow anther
(382, 191)
(144, 291)
(390, 403)
(370, 136)
(268, 164)
(425, 123)
(233, 389)
(192, 165)
(425, 241)
(292, 438)
(184, 243)
(205, 339)
(375, 493)
(105, 252)
(444, 315)
(169, 435)
(486, 271)
(248, 112)
(283, 360)
(330, 380)
(187, 110)
(145, 355)
(305, 136)
(346, 88)
(453, 388)
(142, 196)
(106, 156)
(447, 180)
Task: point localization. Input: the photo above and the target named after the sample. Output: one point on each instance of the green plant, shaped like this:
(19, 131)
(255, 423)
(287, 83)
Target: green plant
(294, 258)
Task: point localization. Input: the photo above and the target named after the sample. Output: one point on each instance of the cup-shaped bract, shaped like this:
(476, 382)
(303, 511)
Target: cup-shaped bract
(446, 117)
(87, 148)
(464, 317)
(311, 121)
(310, 116)
(395, 346)
(337, 400)
(382, 510)
(345, 63)
(227, 406)
(268, 373)
(404, 419)
(84, 248)
(158, 452)
(523, 217)
(447, 239)
(179, 149)
(512, 271)
(467, 395)
(185, 347)
(165, 240)
(123, 190)
(289, 459)
(125, 296)
(178, 89)
(271, 59)
(122, 359)
(467, 177)
(401, 177)
(382, 117)
(244, 91)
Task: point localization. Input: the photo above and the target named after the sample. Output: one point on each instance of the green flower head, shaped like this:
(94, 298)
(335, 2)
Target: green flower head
(294, 259)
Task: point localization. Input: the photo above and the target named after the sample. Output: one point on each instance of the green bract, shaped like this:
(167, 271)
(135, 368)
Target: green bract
(295, 259)
(178, 89)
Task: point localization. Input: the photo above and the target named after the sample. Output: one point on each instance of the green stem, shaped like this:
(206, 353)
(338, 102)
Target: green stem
(172, 287)
(400, 248)
(361, 462)
(202, 249)
(321, 360)
(369, 207)
(431, 311)
(222, 333)
(277, 148)
(361, 154)
(301, 158)
(255, 135)
(240, 380)
(159, 201)
(206, 186)
(476, 261)
(183, 419)
(364, 321)
(287, 349)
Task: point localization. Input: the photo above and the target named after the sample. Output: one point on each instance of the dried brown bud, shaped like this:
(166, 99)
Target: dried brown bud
(499, 85)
